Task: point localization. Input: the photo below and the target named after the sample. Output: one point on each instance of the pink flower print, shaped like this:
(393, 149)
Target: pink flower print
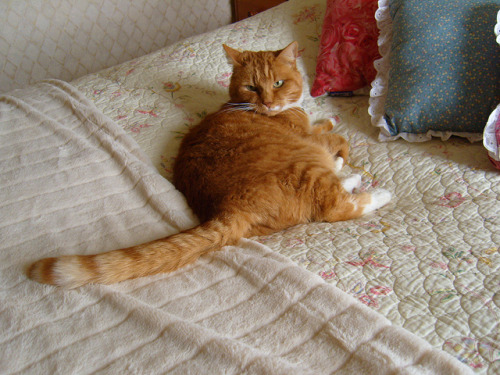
(240, 27)
(368, 261)
(380, 290)
(151, 112)
(291, 243)
(409, 248)
(451, 200)
(441, 265)
(223, 79)
(327, 275)
(369, 298)
(138, 128)
(368, 301)
(307, 14)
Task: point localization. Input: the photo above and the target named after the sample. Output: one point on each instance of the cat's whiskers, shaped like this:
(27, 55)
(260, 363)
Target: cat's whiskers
(234, 107)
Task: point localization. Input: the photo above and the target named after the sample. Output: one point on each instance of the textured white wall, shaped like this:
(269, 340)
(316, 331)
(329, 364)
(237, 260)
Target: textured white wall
(66, 39)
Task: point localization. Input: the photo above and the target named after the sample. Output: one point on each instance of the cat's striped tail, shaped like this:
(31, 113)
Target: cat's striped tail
(164, 255)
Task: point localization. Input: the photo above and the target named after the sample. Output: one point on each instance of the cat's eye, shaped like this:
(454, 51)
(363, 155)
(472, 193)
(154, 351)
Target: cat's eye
(251, 88)
(278, 84)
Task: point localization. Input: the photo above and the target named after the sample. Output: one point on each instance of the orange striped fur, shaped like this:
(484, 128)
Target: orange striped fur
(254, 167)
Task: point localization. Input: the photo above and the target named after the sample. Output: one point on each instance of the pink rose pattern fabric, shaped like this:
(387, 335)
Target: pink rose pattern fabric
(348, 47)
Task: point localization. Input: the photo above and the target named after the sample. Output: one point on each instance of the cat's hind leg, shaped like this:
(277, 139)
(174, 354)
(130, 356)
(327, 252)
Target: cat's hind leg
(334, 143)
(338, 204)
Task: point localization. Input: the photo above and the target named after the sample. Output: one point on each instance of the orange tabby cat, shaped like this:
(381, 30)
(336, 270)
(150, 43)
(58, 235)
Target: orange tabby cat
(254, 167)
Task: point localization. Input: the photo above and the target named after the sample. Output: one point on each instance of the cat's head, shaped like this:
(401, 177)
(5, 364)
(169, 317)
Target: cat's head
(267, 81)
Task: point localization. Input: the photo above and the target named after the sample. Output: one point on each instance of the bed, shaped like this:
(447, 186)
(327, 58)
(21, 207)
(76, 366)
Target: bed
(86, 167)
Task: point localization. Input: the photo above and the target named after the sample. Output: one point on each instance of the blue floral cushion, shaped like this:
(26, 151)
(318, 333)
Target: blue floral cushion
(441, 74)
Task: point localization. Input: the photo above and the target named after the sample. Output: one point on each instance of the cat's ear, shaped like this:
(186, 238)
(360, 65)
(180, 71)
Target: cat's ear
(233, 55)
(290, 53)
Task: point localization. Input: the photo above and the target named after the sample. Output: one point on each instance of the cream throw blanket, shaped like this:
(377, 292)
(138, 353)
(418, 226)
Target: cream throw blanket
(73, 182)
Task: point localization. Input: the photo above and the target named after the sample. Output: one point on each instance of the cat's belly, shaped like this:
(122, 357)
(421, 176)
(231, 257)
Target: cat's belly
(281, 166)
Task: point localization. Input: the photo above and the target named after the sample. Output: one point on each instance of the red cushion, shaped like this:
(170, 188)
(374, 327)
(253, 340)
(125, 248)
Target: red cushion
(348, 47)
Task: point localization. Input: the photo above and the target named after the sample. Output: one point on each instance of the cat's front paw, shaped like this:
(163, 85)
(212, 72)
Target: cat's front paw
(338, 163)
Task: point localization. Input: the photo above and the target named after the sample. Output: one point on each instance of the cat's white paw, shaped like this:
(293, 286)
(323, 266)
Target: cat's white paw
(351, 182)
(338, 164)
(379, 198)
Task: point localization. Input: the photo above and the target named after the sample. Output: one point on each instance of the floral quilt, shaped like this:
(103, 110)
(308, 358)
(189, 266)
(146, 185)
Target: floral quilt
(429, 261)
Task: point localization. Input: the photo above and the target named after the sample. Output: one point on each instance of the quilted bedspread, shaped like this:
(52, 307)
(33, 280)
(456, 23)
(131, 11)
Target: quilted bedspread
(72, 181)
(429, 261)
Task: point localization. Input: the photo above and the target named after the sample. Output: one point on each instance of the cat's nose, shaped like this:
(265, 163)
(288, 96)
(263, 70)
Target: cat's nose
(268, 104)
